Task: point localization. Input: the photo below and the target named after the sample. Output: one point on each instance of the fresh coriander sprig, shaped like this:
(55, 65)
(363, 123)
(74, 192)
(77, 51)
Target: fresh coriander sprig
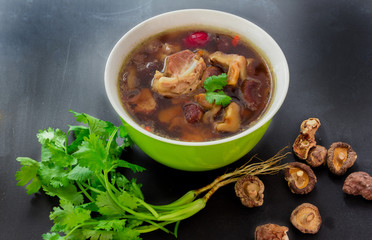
(98, 202)
(214, 94)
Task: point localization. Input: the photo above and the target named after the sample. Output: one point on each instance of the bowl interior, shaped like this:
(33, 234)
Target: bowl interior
(262, 42)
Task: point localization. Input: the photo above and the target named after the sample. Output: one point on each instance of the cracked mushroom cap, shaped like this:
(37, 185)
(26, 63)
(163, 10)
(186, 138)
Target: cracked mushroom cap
(250, 191)
(317, 156)
(359, 183)
(340, 158)
(302, 146)
(306, 218)
(300, 177)
(310, 126)
(271, 232)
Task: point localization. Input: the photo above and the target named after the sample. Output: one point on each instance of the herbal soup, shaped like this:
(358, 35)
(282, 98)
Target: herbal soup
(195, 85)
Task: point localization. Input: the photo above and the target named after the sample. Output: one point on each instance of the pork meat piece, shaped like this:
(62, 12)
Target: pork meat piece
(182, 74)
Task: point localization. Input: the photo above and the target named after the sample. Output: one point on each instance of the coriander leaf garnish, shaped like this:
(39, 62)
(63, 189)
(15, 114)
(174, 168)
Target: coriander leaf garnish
(213, 83)
(219, 98)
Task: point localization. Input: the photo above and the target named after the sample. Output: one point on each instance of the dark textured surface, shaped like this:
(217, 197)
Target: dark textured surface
(52, 58)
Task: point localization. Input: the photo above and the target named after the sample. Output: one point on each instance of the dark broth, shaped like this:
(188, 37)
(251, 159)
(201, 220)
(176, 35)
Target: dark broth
(142, 63)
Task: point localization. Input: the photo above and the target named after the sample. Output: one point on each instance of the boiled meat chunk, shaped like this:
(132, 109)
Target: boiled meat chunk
(182, 74)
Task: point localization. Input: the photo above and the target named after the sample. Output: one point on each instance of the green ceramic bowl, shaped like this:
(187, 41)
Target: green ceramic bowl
(198, 156)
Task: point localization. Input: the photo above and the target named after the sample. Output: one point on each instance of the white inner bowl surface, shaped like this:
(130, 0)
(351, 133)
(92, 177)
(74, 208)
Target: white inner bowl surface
(202, 17)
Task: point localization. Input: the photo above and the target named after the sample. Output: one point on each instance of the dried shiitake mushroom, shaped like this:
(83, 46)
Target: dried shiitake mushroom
(300, 177)
(317, 156)
(271, 232)
(359, 183)
(310, 126)
(306, 218)
(250, 191)
(302, 146)
(306, 140)
(340, 158)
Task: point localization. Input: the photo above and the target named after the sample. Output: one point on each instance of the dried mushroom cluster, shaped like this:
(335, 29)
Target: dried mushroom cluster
(306, 140)
(301, 180)
(339, 157)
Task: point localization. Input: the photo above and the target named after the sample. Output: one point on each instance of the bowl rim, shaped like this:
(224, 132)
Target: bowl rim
(263, 119)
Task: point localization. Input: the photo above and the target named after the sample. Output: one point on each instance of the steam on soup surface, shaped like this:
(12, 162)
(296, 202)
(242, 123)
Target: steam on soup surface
(163, 85)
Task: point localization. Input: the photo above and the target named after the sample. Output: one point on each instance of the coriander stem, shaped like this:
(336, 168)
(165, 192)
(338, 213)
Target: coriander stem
(182, 201)
(112, 137)
(155, 226)
(91, 188)
(113, 197)
(217, 186)
(148, 207)
(113, 188)
(186, 212)
(85, 192)
(100, 179)
(152, 227)
(78, 226)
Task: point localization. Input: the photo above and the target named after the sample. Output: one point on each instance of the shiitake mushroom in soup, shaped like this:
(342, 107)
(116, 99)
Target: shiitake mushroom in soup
(161, 84)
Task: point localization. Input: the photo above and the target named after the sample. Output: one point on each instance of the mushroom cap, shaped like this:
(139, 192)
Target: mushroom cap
(358, 183)
(317, 156)
(250, 191)
(302, 146)
(231, 120)
(300, 177)
(306, 218)
(367, 192)
(310, 126)
(340, 158)
(271, 232)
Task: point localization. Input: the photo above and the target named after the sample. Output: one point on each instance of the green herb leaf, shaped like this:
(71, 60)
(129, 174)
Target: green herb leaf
(27, 173)
(127, 200)
(92, 153)
(79, 133)
(106, 205)
(135, 168)
(68, 193)
(53, 175)
(214, 83)
(116, 225)
(123, 133)
(57, 137)
(128, 234)
(97, 234)
(69, 215)
(79, 173)
(219, 98)
(99, 127)
(52, 236)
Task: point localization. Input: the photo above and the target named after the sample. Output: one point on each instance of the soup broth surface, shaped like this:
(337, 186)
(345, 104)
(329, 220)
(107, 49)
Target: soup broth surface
(184, 114)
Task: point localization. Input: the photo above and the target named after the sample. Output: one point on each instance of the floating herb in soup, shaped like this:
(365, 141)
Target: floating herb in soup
(195, 85)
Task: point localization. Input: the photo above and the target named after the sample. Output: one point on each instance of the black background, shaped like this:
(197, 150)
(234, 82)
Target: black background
(52, 59)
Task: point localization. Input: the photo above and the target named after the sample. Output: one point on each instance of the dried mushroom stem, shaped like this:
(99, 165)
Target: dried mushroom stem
(308, 217)
(300, 177)
(268, 167)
